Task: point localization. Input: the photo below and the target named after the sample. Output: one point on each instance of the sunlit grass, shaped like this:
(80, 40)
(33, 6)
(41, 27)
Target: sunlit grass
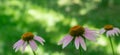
(102, 41)
(118, 49)
(46, 19)
(73, 22)
(57, 53)
(28, 50)
(39, 51)
(11, 6)
(63, 2)
(83, 11)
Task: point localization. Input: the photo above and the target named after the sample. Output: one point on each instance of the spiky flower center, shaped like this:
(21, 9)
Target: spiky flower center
(108, 27)
(77, 31)
(27, 36)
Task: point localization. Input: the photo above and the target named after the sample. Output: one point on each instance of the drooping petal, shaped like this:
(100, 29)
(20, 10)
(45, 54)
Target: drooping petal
(117, 29)
(67, 41)
(108, 33)
(90, 35)
(19, 45)
(39, 39)
(102, 31)
(61, 42)
(116, 32)
(113, 32)
(82, 43)
(77, 42)
(33, 45)
(24, 46)
(93, 32)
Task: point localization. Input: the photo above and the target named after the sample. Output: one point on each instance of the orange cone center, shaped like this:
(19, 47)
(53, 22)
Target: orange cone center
(77, 31)
(27, 36)
(108, 27)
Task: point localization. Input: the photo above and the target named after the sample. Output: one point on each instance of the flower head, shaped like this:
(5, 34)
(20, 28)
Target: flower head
(28, 38)
(110, 30)
(78, 33)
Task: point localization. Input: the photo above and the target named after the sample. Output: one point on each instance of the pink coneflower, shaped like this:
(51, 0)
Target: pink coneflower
(110, 30)
(79, 34)
(28, 38)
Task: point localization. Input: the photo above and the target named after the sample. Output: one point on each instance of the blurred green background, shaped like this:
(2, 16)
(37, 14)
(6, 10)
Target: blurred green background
(52, 19)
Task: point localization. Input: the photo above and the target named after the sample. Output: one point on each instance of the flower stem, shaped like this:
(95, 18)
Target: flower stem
(81, 51)
(34, 52)
(111, 45)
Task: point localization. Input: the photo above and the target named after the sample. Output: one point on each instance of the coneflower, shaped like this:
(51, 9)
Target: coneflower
(28, 38)
(78, 33)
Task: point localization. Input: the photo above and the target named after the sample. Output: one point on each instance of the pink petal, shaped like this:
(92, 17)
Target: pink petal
(24, 46)
(39, 39)
(117, 29)
(82, 43)
(90, 35)
(113, 32)
(18, 45)
(33, 45)
(61, 42)
(67, 41)
(116, 32)
(77, 42)
(93, 32)
(102, 31)
(108, 33)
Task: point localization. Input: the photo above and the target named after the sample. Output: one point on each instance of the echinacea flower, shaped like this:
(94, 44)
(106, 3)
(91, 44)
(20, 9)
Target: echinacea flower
(28, 38)
(78, 34)
(110, 30)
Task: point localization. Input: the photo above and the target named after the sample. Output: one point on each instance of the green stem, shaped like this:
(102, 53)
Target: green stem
(34, 52)
(80, 51)
(111, 45)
